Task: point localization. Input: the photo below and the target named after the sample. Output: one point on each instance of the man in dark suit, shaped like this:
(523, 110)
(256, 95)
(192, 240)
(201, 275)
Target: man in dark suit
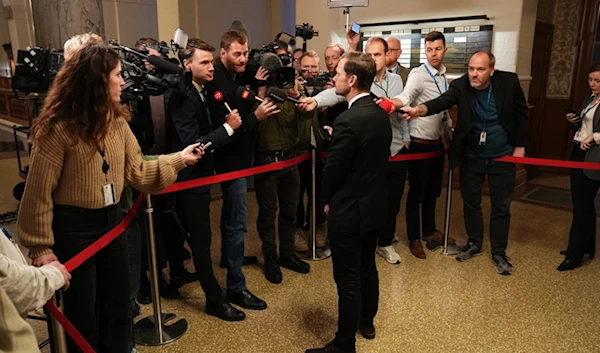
(189, 119)
(492, 123)
(354, 192)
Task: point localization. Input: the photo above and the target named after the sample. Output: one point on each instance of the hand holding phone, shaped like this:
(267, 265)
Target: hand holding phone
(572, 116)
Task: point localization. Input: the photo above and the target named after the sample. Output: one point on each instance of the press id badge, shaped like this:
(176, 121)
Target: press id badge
(577, 138)
(109, 194)
(482, 138)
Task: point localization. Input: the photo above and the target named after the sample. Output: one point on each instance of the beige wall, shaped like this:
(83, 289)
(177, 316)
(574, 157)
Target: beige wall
(505, 15)
(209, 25)
(127, 21)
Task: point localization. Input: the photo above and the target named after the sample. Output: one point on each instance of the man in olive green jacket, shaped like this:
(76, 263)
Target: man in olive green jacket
(278, 139)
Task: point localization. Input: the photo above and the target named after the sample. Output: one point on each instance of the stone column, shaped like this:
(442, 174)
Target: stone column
(56, 21)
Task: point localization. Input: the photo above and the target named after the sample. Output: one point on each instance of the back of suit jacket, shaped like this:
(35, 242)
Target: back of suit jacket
(355, 172)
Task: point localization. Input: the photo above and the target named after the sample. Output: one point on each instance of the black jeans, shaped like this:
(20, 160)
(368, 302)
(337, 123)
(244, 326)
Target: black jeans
(97, 302)
(273, 187)
(501, 179)
(194, 209)
(582, 237)
(303, 214)
(396, 178)
(355, 273)
(424, 187)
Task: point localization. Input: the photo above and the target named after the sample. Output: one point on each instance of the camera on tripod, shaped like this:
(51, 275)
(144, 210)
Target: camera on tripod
(306, 31)
(35, 70)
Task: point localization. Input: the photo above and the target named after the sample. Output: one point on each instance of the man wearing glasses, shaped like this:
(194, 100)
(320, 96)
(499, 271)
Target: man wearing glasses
(392, 64)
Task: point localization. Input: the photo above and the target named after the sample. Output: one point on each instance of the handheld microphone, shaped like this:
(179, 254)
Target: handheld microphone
(247, 94)
(164, 65)
(280, 96)
(218, 97)
(390, 108)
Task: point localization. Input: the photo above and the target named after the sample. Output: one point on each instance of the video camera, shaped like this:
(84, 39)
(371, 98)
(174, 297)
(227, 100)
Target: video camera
(320, 80)
(280, 75)
(306, 31)
(139, 81)
(35, 70)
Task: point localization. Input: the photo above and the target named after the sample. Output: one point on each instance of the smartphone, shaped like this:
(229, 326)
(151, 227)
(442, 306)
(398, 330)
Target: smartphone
(324, 134)
(355, 28)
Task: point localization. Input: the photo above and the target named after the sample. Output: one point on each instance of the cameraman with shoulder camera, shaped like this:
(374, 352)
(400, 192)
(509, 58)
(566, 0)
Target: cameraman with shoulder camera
(236, 156)
(277, 141)
(189, 119)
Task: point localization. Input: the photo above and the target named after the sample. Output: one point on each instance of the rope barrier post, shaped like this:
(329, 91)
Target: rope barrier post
(153, 330)
(58, 338)
(449, 249)
(314, 253)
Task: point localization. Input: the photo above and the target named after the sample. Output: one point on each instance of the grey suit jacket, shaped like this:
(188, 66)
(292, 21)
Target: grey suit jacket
(593, 154)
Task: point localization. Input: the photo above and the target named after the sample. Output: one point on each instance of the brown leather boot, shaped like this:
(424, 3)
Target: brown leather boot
(417, 249)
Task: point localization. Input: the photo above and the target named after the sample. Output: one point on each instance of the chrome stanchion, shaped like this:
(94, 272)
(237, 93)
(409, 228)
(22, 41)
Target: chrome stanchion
(314, 253)
(449, 249)
(153, 330)
(58, 338)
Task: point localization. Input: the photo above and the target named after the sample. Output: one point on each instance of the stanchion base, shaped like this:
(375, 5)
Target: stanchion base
(452, 250)
(321, 254)
(146, 335)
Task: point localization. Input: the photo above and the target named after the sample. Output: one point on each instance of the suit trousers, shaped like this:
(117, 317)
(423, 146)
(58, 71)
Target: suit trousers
(97, 302)
(194, 209)
(501, 179)
(425, 186)
(396, 179)
(355, 273)
(582, 237)
(280, 186)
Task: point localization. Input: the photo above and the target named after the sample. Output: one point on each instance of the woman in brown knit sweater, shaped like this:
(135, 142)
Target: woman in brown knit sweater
(83, 153)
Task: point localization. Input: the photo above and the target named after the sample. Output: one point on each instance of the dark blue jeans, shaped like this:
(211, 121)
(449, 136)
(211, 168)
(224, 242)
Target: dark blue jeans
(134, 247)
(97, 302)
(234, 226)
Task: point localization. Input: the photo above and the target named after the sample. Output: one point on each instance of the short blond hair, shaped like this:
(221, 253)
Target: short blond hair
(336, 46)
(309, 53)
(79, 41)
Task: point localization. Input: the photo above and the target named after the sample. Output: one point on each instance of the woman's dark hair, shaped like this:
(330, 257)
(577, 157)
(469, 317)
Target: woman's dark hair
(595, 67)
(79, 97)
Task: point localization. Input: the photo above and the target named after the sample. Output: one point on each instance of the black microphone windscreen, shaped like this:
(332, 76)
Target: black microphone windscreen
(246, 94)
(276, 94)
(164, 65)
(270, 62)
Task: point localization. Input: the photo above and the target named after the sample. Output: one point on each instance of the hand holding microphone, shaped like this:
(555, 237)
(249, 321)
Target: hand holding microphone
(233, 119)
(266, 107)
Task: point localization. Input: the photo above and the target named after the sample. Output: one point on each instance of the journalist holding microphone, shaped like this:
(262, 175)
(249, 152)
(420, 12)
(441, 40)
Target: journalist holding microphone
(584, 183)
(83, 153)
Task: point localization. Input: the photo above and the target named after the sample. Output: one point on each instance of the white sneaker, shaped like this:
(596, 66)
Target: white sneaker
(389, 254)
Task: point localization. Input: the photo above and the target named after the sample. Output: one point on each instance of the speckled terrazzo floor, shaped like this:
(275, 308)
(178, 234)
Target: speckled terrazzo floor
(432, 305)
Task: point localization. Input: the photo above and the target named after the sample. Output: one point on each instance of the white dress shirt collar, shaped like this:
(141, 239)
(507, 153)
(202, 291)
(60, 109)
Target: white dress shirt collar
(435, 71)
(358, 96)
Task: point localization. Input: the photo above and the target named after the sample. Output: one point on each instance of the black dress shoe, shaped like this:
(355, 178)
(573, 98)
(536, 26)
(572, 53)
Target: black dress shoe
(248, 260)
(567, 265)
(329, 348)
(166, 290)
(136, 310)
(272, 270)
(144, 298)
(178, 281)
(294, 263)
(367, 329)
(247, 300)
(224, 311)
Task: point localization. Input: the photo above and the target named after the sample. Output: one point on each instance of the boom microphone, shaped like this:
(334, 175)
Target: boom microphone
(164, 65)
(270, 62)
(280, 96)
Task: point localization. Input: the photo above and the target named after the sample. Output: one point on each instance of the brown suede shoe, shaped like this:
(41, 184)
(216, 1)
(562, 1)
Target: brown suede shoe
(439, 237)
(417, 249)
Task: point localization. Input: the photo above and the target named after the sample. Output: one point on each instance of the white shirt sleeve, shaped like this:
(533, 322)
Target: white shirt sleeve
(414, 87)
(328, 98)
(228, 128)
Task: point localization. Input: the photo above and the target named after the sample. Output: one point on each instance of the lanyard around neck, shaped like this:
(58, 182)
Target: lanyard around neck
(483, 113)
(435, 81)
